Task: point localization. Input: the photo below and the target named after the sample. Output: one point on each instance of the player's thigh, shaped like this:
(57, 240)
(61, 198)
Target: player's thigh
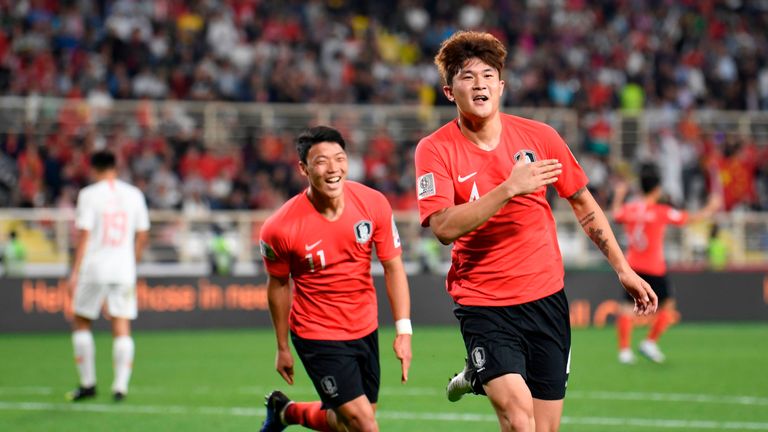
(511, 399)
(88, 299)
(121, 301)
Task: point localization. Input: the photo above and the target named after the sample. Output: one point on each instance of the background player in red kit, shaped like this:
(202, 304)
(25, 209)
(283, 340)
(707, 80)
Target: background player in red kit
(481, 184)
(645, 220)
(323, 240)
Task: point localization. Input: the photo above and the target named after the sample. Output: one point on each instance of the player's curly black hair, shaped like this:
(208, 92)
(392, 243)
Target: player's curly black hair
(464, 45)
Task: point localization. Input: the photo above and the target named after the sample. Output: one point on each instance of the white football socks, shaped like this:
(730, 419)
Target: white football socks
(122, 357)
(85, 357)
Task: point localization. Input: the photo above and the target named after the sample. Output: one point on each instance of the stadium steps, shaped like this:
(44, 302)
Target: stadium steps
(40, 249)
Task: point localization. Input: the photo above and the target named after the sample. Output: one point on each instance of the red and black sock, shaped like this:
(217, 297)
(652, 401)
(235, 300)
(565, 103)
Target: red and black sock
(308, 414)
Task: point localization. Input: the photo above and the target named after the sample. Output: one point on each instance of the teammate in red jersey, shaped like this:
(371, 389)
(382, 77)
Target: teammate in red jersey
(323, 239)
(645, 220)
(481, 182)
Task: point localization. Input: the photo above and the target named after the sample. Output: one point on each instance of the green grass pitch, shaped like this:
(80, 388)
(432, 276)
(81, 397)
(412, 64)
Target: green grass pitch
(714, 380)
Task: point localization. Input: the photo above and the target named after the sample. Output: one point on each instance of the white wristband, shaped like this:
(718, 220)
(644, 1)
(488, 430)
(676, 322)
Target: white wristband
(403, 326)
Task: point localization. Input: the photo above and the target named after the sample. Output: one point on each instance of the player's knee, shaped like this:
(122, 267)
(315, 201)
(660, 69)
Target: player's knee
(362, 422)
(515, 419)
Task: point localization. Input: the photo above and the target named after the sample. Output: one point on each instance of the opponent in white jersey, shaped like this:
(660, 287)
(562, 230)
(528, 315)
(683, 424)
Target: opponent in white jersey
(112, 223)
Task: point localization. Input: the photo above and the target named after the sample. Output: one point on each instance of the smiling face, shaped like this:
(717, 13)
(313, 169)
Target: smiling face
(476, 88)
(326, 169)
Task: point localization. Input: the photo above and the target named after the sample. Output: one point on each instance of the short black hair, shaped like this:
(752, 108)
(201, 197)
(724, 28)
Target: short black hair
(102, 160)
(649, 177)
(315, 135)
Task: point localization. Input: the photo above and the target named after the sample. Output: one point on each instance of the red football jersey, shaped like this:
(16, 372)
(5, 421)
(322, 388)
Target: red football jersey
(330, 261)
(645, 226)
(514, 257)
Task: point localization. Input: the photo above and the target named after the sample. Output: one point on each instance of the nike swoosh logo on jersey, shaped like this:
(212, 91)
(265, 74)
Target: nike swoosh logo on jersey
(312, 246)
(466, 177)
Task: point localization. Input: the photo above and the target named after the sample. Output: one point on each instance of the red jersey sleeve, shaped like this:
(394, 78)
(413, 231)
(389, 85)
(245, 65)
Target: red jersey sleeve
(385, 236)
(274, 250)
(434, 187)
(573, 177)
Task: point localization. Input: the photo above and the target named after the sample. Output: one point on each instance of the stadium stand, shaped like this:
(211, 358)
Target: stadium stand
(201, 99)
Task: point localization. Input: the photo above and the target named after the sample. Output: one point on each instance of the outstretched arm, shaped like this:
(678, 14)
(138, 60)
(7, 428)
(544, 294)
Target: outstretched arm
(596, 226)
(713, 205)
(400, 301)
(619, 193)
(453, 222)
(279, 297)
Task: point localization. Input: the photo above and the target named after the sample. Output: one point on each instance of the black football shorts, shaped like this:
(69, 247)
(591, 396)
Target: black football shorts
(341, 370)
(531, 339)
(659, 284)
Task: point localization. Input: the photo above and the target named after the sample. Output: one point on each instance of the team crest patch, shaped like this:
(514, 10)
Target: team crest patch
(529, 156)
(426, 185)
(363, 231)
(478, 357)
(328, 383)
(267, 251)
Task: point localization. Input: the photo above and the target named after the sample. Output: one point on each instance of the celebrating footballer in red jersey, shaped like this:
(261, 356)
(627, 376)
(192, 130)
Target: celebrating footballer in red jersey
(456, 171)
(645, 221)
(481, 183)
(330, 261)
(323, 240)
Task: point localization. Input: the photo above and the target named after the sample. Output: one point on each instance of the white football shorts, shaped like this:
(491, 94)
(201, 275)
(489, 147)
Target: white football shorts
(121, 300)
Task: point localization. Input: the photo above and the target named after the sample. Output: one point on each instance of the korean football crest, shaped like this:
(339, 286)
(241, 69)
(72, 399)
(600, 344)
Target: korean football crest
(478, 357)
(328, 383)
(363, 231)
(528, 156)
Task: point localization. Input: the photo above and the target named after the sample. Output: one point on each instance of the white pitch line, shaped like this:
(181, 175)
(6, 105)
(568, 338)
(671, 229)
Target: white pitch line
(669, 397)
(437, 392)
(588, 395)
(130, 409)
(654, 424)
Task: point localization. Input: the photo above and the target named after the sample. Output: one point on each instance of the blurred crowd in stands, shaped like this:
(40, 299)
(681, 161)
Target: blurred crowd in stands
(594, 57)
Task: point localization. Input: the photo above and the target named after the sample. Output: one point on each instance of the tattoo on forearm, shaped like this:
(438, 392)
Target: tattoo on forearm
(596, 235)
(587, 219)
